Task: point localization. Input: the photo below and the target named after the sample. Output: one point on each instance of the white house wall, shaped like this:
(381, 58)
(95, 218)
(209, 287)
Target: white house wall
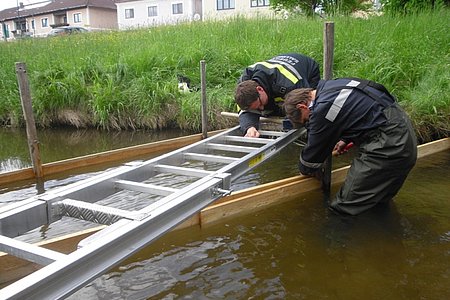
(208, 11)
(40, 30)
(242, 8)
(91, 17)
(164, 8)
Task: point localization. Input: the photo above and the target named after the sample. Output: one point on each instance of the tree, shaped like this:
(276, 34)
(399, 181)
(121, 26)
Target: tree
(329, 7)
(308, 7)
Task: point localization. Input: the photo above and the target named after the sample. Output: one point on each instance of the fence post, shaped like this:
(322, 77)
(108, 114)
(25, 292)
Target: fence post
(204, 102)
(328, 52)
(25, 98)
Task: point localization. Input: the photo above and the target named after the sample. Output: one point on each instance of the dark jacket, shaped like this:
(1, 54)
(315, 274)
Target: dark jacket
(278, 76)
(340, 114)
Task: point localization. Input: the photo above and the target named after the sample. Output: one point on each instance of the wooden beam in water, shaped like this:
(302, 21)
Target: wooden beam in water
(433, 147)
(98, 159)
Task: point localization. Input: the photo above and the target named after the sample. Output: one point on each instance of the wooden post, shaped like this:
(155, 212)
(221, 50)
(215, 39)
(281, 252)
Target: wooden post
(25, 97)
(328, 52)
(204, 102)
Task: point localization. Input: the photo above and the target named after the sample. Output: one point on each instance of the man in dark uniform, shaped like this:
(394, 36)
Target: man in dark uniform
(363, 112)
(263, 85)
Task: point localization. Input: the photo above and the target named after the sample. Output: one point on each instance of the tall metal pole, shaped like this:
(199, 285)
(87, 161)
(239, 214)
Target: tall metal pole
(204, 102)
(328, 52)
(25, 97)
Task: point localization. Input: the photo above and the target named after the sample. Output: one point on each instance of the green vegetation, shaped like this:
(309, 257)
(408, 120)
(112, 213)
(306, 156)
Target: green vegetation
(128, 80)
(329, 7)
(397, 7)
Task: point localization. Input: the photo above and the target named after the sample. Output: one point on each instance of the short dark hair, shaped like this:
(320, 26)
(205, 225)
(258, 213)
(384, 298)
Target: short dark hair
(291, 100)
(246, 93)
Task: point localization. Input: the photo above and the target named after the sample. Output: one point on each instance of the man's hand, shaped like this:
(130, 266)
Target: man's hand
(252, 132)
(341, 147)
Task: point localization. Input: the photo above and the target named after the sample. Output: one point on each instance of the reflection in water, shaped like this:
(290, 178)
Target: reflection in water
(13, 163)
(299, 250)
(63, 143)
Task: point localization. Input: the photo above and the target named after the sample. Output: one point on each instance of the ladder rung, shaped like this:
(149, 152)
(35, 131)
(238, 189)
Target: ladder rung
(231, 148)
(93, 212)
(210, 158)
(271, 133)
(29, 252)
(243, 139)
(144, 187)
(182, 171)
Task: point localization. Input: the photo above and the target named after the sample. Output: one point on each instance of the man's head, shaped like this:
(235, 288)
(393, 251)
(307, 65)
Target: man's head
(296, 105)
(250, 95)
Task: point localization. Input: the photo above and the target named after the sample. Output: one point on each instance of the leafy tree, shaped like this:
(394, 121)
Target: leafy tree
(344, 7)
(308, 7)
(329, 7)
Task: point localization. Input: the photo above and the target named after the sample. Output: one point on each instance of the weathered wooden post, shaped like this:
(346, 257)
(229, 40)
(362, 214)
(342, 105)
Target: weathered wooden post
(204, 102)
(25, 97)
(328, 52)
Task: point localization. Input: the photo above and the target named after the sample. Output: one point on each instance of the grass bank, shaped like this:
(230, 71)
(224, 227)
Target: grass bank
(128, 79)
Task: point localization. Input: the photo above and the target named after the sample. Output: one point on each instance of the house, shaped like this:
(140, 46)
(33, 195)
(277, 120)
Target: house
(123, 14)
(39, 20)
(143, 13)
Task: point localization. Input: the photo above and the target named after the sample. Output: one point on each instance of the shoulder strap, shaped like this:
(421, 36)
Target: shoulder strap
(361, 85)
(378, 86)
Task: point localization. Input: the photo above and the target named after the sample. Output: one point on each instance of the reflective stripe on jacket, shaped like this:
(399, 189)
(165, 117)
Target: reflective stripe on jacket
(340, 113)
(278, 76)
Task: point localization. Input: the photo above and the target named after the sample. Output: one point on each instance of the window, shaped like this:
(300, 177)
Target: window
(77, 18)
(152, 11)
(129, 13)
(225, 4)
(33, 26)
(177, 8)
(44, 22)
(259, 3)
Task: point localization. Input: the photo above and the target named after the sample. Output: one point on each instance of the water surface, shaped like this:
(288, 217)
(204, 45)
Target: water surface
(62, 143)
(298, 250)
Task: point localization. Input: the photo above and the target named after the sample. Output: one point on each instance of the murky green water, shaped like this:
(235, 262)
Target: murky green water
(63, 143)
(297, 250)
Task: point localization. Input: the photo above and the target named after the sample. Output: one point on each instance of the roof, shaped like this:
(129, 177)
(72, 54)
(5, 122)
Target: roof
(54, 6)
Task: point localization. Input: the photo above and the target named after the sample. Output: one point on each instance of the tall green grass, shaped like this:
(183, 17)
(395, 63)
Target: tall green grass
(128, 79)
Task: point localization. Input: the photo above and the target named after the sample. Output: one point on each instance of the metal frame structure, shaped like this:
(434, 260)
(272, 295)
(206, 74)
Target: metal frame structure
(230, 155)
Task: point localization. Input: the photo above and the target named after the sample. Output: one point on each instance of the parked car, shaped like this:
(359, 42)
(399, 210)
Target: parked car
(64, 30)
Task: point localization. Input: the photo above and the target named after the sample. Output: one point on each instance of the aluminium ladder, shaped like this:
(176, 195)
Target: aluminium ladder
(205, 168)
